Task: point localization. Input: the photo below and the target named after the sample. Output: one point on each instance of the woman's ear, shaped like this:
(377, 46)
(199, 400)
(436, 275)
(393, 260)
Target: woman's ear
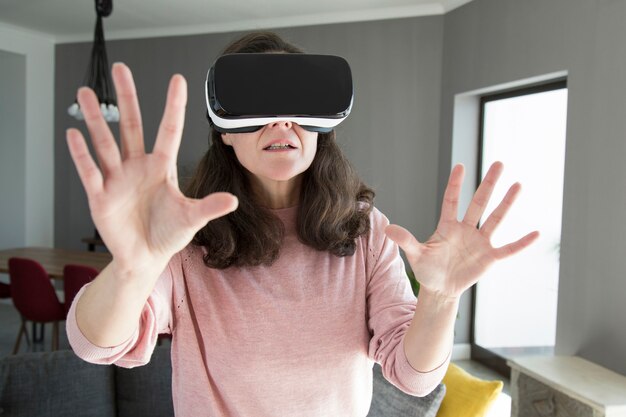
(226, 139)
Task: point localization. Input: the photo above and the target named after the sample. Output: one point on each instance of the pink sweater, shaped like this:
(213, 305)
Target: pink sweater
(298, 338)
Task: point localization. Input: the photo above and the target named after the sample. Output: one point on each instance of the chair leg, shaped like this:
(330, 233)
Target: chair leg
(16, 347)
(28, 343)
(38, 338)
(55, 335)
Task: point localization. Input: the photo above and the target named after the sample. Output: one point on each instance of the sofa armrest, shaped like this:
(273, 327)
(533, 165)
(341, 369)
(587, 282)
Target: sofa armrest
(389, 401)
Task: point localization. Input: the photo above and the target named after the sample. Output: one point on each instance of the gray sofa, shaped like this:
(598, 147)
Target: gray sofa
(60, 384)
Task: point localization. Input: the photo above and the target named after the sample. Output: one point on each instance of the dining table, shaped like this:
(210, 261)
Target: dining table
(54, 260)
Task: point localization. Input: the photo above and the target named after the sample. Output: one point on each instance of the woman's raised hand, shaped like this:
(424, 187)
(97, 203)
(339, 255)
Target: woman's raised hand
(457, 254)
(134, 198)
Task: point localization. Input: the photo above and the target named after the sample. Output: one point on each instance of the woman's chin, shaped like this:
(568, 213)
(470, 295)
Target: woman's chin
(282, 177)
(282, 174)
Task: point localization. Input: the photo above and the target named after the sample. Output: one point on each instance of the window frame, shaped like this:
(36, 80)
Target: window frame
(478, 353)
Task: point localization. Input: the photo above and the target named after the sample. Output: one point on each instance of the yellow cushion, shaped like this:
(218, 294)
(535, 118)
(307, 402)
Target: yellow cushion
(466, 395)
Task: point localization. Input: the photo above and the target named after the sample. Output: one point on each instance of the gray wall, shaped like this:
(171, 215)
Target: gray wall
(391, 136)
(12, 149)
(490, 42)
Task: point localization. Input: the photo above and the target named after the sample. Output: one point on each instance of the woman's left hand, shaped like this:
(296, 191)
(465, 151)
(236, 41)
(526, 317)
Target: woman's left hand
(458, 253)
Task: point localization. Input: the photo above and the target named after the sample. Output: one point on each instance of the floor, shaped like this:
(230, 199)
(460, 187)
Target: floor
(10, 325)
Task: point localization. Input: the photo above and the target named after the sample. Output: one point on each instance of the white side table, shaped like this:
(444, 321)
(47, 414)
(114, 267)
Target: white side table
(563, 386)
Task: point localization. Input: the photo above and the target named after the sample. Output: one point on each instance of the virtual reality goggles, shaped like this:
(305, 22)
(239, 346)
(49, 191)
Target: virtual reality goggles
(244, 92)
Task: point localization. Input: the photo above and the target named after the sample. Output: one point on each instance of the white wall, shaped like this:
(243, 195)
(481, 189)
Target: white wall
(38, 169)
(12, 148)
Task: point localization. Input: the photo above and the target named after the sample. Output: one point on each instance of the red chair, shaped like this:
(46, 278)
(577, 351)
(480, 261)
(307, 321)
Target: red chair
(5, 290)
(74, 278)
(34, 297)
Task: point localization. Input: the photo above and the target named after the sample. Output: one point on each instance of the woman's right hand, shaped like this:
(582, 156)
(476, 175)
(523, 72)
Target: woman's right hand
(134, 198)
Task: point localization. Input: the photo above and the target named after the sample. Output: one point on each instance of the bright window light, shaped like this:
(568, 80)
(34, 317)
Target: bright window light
(516, 300)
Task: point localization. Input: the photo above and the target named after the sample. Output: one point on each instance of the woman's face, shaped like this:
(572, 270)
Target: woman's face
(278, 152)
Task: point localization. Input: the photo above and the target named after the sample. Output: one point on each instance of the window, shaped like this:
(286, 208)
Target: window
(515, 302)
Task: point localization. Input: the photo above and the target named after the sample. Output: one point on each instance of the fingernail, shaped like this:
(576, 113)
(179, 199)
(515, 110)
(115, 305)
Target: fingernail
(68, 134)
(117, 64)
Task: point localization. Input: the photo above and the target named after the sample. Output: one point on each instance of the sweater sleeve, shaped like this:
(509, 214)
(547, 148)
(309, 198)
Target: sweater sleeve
(155, 318)
(391, 306)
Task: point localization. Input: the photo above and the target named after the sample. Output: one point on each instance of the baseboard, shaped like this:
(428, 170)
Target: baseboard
(461, 351)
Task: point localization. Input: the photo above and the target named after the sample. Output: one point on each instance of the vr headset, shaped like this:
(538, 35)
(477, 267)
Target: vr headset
(244, 92)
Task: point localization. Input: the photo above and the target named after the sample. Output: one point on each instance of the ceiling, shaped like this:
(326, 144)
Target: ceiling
(73, 21)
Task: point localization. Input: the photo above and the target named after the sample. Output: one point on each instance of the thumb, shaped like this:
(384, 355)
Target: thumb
(407, 242)
(211, 207)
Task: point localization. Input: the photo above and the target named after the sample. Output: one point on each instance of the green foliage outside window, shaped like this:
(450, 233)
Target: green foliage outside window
(414, 284)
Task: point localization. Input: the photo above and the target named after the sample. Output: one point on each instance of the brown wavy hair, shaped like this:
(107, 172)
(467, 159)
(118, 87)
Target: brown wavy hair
(331, 212)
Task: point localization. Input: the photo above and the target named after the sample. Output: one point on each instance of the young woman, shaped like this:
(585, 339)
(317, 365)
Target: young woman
(279, 281)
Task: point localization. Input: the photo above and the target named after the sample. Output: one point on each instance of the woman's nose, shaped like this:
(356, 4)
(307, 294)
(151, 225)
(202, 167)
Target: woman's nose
(286, 124)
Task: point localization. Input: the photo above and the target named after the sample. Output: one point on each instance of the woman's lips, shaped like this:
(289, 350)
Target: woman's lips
(280, 150)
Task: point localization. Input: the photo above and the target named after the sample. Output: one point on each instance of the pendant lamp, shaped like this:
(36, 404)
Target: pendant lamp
(97, 76)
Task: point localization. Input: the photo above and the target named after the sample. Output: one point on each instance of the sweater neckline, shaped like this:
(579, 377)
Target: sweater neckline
(288, 216)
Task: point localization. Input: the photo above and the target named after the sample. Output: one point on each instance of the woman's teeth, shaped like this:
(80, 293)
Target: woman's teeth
(279, 146)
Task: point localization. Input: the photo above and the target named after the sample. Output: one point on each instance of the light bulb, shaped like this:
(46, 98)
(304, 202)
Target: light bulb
(114, 112)
(73, 109)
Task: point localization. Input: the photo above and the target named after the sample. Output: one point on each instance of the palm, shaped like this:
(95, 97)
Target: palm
(134, 197)
(458, 253)
(141, 203)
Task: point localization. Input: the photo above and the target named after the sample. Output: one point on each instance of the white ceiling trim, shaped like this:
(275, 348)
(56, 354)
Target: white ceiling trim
(449, 5)
(28, 33)
(274, 23)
